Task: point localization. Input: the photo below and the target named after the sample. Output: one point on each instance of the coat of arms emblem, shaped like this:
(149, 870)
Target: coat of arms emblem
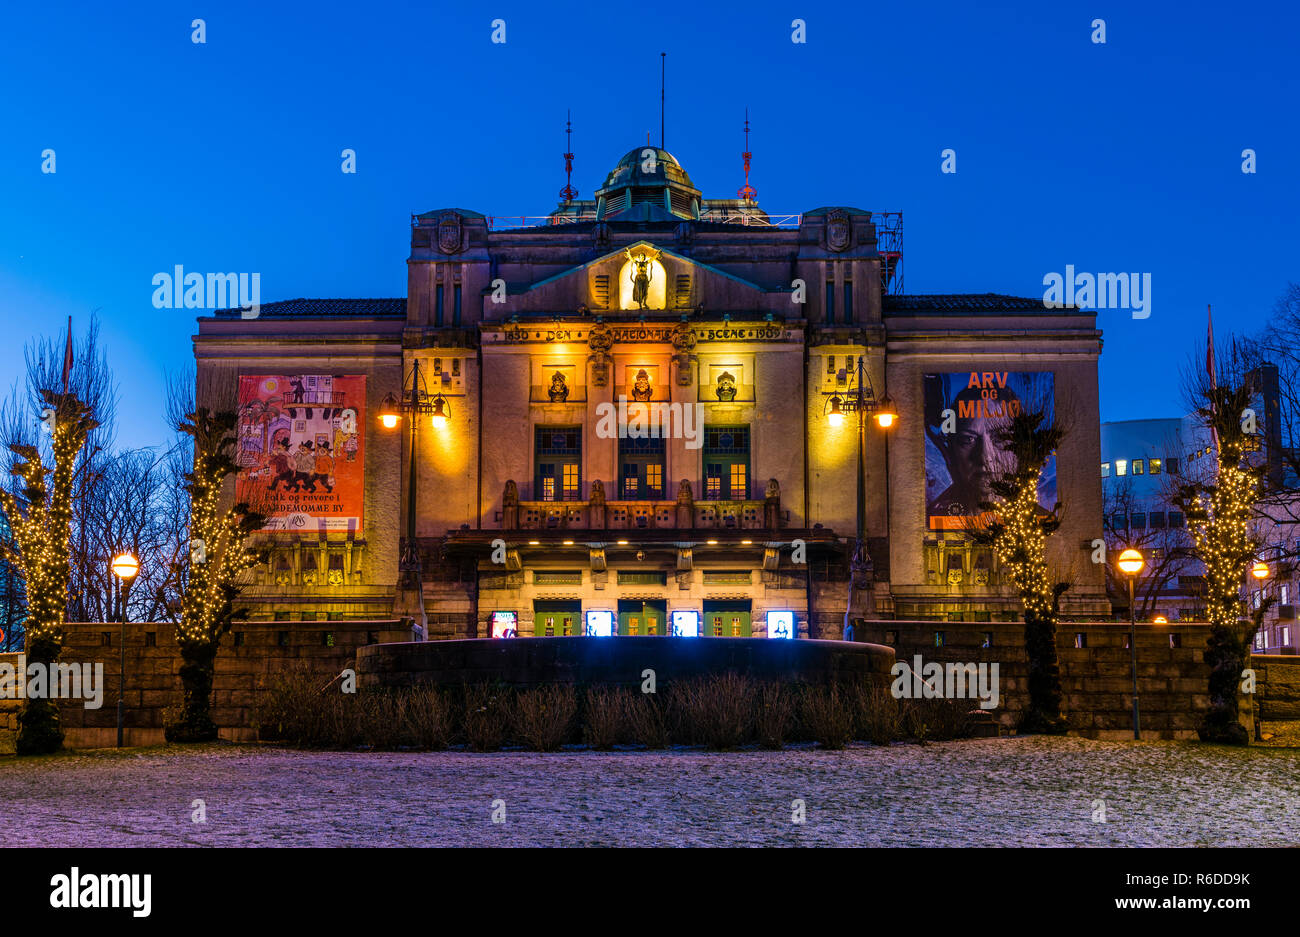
(839, 231)
(450, 234)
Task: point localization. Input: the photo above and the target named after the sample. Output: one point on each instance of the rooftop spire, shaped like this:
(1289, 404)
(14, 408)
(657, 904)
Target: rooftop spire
(747, 191)
(568, 193)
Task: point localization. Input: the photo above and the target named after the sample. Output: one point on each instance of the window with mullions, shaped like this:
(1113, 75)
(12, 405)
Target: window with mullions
(641, 469)
(726, 463)
(559, 463)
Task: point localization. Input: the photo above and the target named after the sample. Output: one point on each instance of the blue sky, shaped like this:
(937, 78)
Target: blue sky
(226, 156)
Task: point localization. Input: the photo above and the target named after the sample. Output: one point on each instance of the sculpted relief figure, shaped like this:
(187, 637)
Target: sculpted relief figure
(642, 390)
(559, 391)
(640, 274)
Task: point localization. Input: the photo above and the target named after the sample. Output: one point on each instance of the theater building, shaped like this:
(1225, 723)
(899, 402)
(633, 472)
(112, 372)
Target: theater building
(640, 414)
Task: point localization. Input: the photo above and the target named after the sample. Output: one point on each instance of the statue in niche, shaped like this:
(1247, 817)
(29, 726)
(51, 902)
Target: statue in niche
(684, 495)
(642, 390)
(726, 389)
(510, 506)
(597, 492)
(559, 390)
(640, 275)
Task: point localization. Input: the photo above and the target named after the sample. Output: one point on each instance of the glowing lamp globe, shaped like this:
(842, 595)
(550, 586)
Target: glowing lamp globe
(1131, 562)
(836, 414)
(439, 418)
(125, 566)
(1160, 620)
(886, 416)
(389, 416)
(1259, 570)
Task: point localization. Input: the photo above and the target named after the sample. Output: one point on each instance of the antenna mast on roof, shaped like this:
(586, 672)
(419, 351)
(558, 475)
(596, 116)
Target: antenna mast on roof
(747, 191)
(663, 71)
(568, 193)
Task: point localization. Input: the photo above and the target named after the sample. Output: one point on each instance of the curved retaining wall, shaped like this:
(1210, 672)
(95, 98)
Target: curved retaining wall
(620, 660)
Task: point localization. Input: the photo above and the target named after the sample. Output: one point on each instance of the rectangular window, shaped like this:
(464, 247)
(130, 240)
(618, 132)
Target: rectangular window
(848, 302)
(455, 310)
(437, 305)
(1157, 520)
(239, 639)
(281, 616)
(830, 301)
(557, 577)
(1137, 521)
(1121, 467)
(641, 578)
(1139, 466)
(1080, 639)
(1105, 470)
(1155, 465)
(727, 577)
(1286, 635)
(327, 638)
(559, 463)
(151, 637)
(106, 638)
(726, 463)
(1175, 640)
(333, 616)
(940, 638)
(642, 462)
(1119, 522)
(1176, 519)
(282, 638)
(307, 616)
(1172, 467)
(830, 364)
(988, 639)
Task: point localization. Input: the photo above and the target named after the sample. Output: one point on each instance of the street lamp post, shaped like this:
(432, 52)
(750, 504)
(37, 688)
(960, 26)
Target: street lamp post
(124, 566)
(1131, 562)
(417, 401)
(860, 398)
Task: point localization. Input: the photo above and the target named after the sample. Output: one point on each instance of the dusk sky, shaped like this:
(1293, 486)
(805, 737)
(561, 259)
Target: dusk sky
(225, 156)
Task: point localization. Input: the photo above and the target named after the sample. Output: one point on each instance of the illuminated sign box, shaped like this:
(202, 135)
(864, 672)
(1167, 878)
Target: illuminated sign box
(600, 623)
(505, 624)
(685, 624)
(780, 625)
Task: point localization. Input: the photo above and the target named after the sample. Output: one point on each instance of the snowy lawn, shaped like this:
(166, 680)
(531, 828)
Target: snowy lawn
(1007, 791)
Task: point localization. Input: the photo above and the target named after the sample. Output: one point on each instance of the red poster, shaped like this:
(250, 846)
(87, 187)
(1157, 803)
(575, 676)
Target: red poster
(302, 449)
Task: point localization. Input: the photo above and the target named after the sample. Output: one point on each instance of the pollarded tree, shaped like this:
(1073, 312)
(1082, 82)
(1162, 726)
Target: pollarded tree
(1018, 528)
(1219, 507)
(40, 518)
(221, 551)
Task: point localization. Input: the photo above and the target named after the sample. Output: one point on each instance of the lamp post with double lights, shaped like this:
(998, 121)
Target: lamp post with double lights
(125, 567)
(1131, 563)
(416, 401)
(860, 399)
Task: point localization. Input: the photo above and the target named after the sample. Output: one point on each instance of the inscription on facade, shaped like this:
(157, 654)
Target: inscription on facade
(741, 333)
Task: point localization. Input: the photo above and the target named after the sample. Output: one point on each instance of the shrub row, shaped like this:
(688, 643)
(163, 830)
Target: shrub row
(720, 712)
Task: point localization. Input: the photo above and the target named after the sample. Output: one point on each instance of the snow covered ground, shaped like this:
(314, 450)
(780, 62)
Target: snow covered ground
(1013, 791)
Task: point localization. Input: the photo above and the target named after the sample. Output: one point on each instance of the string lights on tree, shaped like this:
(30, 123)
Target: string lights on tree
(221, 552)
(40, 525)
(1017, 528)
(1219, 509)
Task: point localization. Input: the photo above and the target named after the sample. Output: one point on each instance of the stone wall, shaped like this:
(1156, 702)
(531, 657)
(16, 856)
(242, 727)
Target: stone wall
(1096, 679)
(153, 683)
(1277, 688)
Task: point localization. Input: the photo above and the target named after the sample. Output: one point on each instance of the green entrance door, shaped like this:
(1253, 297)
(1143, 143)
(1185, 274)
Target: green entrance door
(637, 617)
(556, 619)
(727, 620)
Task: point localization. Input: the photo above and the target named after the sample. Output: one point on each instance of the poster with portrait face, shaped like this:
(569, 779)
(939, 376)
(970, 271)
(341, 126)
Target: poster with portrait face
(301, 449)
(963, 454)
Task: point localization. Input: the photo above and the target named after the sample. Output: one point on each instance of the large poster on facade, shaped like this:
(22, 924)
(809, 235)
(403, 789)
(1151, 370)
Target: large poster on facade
(302, 449)
(964, 412)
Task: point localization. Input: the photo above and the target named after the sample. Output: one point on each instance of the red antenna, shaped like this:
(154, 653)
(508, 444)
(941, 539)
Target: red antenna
(747, 191)
(568, 193)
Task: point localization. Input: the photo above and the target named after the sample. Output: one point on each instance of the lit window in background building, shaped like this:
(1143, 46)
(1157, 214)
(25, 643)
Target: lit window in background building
(1105, 470)
(1138, 466)
(1155, 466)
(1121, 466)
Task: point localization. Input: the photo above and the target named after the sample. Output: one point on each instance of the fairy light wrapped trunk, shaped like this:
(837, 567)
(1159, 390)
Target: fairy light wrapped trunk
(221, 552)
(41, 528)
(1219, 510)
(1018, 532)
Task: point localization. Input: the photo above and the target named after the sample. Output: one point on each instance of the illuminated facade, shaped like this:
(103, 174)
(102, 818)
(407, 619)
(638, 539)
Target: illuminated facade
(624, 423)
